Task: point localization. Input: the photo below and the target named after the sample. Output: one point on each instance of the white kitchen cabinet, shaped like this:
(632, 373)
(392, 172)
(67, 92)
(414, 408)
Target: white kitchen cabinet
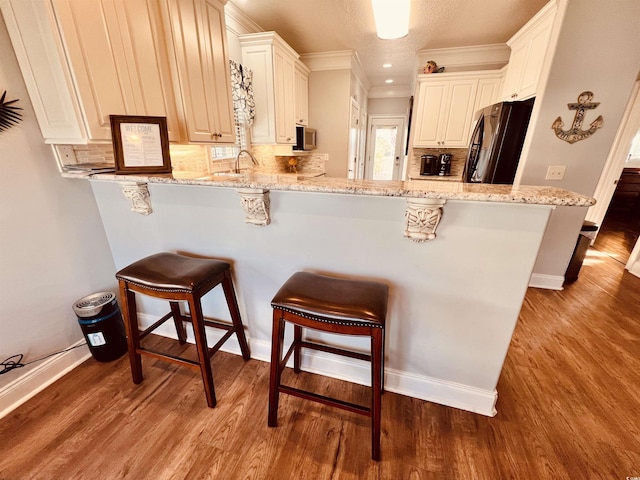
(528, 50)
(302, 93)
(272, 61)
(444, 110)
(84, 60)
(118, 56)
(200, 42)
(446, 104)
(34, 35)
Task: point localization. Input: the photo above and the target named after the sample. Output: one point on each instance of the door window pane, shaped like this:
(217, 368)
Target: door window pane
(384, 153)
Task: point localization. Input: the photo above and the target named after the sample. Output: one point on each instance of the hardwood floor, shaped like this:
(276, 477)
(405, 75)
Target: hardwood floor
(619, 231)
(568, 408)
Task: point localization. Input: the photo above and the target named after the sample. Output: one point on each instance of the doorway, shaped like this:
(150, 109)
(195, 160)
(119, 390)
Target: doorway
(618, 218)
(385, 147)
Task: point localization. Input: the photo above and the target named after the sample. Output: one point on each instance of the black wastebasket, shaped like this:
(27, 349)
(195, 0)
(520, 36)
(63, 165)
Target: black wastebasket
(587, 234)
(101, 323)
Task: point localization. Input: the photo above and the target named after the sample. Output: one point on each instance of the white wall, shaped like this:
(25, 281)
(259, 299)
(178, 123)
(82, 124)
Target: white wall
(329, 106)
(388, 106)
(597, 50)
(53, 249)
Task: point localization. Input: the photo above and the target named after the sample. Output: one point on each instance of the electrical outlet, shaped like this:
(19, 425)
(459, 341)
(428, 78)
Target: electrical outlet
(555, 172)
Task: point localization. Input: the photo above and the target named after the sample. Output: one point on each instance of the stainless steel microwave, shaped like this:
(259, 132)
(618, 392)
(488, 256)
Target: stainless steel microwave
(306, 138)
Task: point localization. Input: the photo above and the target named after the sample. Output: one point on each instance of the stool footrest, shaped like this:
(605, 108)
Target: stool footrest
(351, 407)
(224, 338)
(169, 358)
(335, 350)
(150, 329)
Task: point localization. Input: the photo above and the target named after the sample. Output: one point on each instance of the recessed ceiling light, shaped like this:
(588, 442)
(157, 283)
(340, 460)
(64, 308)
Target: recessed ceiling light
(388, 81)
(386, 65)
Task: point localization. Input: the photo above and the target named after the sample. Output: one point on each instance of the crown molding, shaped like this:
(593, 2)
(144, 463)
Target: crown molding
(479, 57)
(237, 22)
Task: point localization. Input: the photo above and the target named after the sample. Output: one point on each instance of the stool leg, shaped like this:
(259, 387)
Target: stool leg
(384, 342)
(277, 341)
(129, 310)
(376, 390)
(297, 339)
(177, 319)
(203, 351)
(230, 295)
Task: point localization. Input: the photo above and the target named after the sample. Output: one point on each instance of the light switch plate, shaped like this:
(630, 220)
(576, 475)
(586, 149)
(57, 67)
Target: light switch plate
(555, 172)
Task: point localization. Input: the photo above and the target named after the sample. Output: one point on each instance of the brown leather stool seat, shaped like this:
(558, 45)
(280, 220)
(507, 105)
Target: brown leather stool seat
(335, 305)
(177, 278)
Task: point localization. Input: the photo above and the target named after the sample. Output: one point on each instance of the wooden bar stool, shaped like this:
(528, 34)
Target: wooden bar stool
(328, 304)
(176, 278)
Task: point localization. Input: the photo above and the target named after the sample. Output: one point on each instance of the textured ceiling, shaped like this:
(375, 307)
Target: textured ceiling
(312, 26)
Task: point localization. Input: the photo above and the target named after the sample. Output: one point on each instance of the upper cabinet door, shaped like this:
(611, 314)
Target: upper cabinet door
(284, 69)
(528, 54)
(200, 42)
(34, 35)
(459, 110)
(443, 113)
(119, 60)
(302, 94)
(430, 112)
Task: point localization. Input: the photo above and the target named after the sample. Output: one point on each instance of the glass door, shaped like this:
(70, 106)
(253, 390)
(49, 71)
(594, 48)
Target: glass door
(385, 147)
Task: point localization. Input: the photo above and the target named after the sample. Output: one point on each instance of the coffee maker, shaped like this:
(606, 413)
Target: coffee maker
(444, 164)
(429, 165)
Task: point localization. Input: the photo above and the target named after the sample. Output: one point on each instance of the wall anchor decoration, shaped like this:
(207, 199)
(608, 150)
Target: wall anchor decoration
(9, 116)
(575, 133)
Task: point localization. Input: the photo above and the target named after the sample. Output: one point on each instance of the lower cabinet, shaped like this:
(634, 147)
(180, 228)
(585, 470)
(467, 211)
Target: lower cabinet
(445, 106)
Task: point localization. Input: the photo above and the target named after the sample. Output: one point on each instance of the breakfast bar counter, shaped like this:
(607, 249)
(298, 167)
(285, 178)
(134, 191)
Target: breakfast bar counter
(457, 259)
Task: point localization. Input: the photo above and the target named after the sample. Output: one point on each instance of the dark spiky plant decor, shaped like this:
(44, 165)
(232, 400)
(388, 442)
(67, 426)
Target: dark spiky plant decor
(9, 114)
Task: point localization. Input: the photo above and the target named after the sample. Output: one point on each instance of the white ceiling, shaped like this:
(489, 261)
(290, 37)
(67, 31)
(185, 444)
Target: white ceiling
(312, 26)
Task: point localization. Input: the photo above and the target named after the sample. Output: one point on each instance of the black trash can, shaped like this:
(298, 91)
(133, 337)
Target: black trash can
(101, 323)
(587, 234)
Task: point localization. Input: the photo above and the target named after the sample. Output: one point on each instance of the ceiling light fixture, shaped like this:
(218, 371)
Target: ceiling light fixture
(388, 81)
(392, 18)
(386, 65)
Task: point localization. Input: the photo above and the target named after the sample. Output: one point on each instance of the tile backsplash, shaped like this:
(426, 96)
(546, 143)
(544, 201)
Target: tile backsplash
(196, 158)
(458, 159)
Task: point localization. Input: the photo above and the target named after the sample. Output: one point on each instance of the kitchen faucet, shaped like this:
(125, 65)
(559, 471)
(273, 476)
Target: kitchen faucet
(253, 159)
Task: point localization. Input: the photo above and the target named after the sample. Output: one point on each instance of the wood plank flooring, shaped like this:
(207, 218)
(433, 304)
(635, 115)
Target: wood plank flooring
(568, 408)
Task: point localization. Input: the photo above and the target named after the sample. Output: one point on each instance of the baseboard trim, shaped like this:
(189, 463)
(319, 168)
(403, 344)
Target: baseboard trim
(550, 282)
(34, 381)
(451, 394)
(426, 388)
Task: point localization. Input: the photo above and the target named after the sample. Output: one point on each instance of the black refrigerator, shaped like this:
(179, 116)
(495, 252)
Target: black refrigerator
(496, 142)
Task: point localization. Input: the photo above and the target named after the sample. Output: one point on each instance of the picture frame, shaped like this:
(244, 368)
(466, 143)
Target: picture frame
(140, 144)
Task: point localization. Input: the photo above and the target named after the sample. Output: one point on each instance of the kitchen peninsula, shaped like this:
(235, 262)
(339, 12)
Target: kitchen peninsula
(455, 295)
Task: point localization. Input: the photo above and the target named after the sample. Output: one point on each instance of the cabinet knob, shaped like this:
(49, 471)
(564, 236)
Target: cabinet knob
(288, 139)
(216, 135)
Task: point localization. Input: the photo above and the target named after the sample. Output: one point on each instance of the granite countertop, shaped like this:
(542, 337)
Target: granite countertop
(438, 178)
(434, 189)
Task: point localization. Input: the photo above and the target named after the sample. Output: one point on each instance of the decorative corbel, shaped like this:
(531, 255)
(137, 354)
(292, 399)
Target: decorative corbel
(255, 203)
(422, 217)
(138, 195)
